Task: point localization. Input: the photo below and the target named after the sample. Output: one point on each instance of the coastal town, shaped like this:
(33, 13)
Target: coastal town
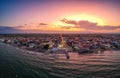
(81, 43)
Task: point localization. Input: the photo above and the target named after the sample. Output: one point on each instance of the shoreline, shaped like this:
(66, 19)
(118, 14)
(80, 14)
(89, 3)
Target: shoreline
(48, 56)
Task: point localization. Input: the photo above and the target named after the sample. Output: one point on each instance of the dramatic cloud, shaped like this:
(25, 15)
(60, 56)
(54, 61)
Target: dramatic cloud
(87, 25)
(68, 21)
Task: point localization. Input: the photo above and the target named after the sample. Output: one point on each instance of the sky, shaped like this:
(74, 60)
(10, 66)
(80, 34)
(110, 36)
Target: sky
(55, 16)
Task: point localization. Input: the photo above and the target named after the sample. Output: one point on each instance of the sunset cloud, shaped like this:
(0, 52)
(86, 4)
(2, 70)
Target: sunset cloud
(30, 26)
(43, 24)
(87, 25)
(19, 26)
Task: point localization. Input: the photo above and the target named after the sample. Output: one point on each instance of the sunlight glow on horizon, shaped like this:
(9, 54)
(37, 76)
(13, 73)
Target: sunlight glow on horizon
(27, 15)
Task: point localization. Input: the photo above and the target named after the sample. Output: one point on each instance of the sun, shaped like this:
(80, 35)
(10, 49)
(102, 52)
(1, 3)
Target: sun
(87, 17)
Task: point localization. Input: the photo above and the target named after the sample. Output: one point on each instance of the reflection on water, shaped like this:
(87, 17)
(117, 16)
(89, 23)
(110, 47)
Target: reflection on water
(28, 64)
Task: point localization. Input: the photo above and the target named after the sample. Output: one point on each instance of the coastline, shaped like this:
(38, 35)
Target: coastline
(48, 56)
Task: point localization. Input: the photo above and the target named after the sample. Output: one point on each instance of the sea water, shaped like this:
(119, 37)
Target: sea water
(27, 64)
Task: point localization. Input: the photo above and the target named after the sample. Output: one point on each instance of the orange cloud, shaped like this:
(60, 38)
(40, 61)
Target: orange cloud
(87, 25)
(43, 24)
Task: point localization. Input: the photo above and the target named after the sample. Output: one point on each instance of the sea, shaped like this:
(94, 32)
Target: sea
(19, 63)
